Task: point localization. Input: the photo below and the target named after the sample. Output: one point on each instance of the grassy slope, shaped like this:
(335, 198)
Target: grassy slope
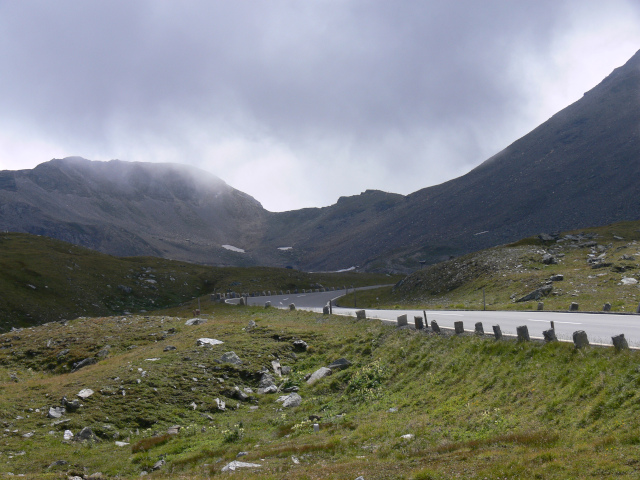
(44, 280)
(509, 272)
(477, 408)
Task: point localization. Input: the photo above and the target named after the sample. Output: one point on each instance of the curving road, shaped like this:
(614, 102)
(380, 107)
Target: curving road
(600, 327)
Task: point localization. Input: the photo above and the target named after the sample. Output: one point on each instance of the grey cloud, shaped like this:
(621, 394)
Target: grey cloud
(391, 83)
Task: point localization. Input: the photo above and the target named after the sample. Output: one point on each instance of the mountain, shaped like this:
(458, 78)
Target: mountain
(578, 169)
(125, 208)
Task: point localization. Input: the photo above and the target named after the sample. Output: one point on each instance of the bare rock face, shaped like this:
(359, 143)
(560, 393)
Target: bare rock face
(537, 294)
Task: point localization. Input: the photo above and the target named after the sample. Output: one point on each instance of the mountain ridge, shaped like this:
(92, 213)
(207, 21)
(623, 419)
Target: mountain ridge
(575, 170)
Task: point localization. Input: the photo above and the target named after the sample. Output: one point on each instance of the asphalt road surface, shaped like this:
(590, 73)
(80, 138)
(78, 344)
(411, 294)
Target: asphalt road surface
(599, 327)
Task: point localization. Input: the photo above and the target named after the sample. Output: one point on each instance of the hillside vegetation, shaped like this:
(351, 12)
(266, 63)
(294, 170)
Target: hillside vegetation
(591, 267)
(410, 405)
(44, 280)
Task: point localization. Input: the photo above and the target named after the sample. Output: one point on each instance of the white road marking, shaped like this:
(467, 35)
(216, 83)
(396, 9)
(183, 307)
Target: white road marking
(554, 321)
(448, 314)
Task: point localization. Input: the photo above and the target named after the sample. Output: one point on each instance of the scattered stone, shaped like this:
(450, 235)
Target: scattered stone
(104, 353)
(63, 353)
(629, 281)
(267, 384)
(86, 434)
(318, 374)
(56, 412)
(195, 321)
(70, 406)
(231, 357)
(393, 410)
(435, 327)
(402, 321)
(169, 348)
(295, 460)
(497, 332)
(339, 364)
(158, 465)
(557, 278)
(286, 370)
(121, 444)
(479, 329)
(627, 257)
(252, 324)
(58, 463)
(292, 400)
(574, 307)
(84, 363)
(236, 464)
(85, 393)
(361, 315)
(125, 289)
(174, 430)
(523, 333)
(68, 435)
(458, 327)
(300, 345)
(545, 237)
(619, 342)
(277, 369)
(537, 294)
(550, 335)
(580, 339)
(208, 341)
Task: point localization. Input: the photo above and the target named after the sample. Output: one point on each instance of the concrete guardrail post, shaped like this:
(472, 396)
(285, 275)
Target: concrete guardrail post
(479, 328)
(458, 327)
(497, 332)
(435, 327)
(402, 321)
(574, 307)
(619, 342)
(292, 306)
(361, 315)
(580, 339)
(523, 333)
(607, 307)
(418, 323)
(550, 335)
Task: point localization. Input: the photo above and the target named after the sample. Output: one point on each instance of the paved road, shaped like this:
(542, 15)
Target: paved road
(599, 327)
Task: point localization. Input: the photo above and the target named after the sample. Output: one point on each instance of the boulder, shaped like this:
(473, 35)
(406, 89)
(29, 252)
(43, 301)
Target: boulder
(236, 465)
(318, 374)
(537, 294)
(339, 364)
(208, 341)
(549, 259)
(195, 321)
(300, 345)
(84, 363)
(231, 357)
(86, 434)
(56, 412)
(85, 393)
(292, 400)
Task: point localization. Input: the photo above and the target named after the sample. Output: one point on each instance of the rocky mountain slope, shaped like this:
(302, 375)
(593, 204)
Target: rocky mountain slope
(578, 169)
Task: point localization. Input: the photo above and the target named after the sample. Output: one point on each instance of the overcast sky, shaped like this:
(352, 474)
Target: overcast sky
(298, 102)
